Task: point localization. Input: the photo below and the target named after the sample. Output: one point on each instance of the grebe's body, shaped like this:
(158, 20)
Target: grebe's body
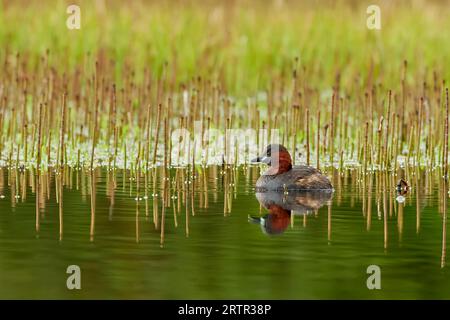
(298, 178)
(282, 176)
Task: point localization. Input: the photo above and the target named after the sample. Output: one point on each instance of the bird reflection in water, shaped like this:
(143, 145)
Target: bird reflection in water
(281, 206)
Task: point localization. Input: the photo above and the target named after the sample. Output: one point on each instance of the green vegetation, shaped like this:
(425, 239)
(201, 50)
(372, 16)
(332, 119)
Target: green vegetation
(89, 113)
(249, 65)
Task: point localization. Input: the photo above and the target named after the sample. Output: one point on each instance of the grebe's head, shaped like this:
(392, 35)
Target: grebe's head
(277, 157)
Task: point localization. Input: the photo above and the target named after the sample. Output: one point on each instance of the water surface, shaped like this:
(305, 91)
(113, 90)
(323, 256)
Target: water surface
(201, 244)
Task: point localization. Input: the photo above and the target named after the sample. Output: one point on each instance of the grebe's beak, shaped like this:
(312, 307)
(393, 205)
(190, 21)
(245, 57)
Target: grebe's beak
(262, 159)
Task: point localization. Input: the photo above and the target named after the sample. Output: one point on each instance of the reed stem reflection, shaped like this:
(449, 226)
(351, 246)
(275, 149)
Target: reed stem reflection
(182, 190)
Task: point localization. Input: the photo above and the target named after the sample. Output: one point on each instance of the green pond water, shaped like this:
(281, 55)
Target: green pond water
(211, 255)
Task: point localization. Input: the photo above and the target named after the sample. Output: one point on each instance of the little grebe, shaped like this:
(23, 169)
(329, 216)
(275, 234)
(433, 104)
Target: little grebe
(282, 176)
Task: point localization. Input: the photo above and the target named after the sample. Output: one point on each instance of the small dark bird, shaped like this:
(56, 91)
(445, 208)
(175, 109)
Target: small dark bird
(402, 187)
(282, 176)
